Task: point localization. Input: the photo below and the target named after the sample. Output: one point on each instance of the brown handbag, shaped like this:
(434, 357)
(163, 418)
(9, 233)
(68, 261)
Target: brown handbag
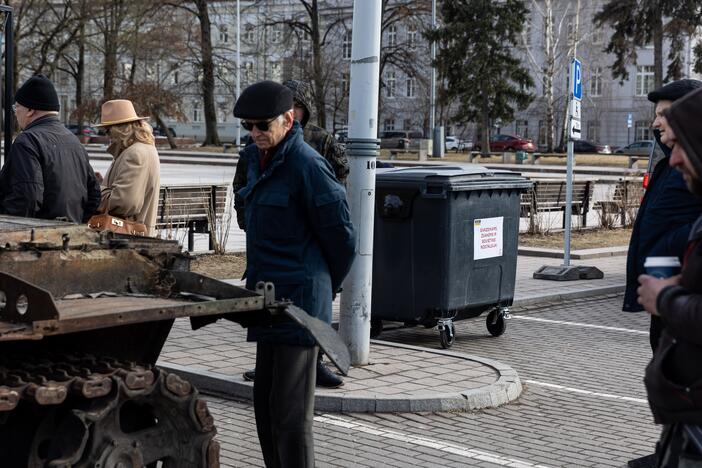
(106, 222)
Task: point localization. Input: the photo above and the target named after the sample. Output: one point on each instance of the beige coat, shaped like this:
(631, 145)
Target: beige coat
(130, 189)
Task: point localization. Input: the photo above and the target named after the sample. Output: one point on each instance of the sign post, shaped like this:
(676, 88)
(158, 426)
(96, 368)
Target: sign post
(628, 128)
(567, 271)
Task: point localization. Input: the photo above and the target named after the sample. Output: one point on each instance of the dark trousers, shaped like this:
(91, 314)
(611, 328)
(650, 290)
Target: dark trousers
(655, 331)
(284, 404)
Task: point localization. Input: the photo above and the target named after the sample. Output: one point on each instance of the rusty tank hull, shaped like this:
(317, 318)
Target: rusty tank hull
(83, 318)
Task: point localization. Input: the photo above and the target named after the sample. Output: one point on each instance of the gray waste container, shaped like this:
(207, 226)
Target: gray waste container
(445, 246)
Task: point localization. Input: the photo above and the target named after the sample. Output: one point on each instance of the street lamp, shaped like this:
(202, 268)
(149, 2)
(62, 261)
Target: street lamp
(238, 69)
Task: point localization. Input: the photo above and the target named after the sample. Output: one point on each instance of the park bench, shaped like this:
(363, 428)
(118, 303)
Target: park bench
(550, 195)
(194, 207)
(625, 201)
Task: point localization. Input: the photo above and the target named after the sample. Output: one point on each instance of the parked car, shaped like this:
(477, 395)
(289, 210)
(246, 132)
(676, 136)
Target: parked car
(398, 139)
(637, 148)
(452, 143)
(584, 146)
(501, 142)
(158, 131)
(88, 130)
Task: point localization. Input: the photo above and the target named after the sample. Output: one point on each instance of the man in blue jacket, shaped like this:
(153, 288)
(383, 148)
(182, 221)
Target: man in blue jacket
(299, 237)
(665, 218)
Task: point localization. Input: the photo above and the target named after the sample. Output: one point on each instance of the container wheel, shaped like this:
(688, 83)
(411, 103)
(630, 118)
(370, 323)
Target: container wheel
(447, 335)
(496, 323)
(376, 328)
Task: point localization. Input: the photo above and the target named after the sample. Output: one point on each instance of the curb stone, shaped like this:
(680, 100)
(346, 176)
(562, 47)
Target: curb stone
(505, 389)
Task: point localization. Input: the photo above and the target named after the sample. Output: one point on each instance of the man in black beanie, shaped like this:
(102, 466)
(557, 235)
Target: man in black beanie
(665, 216)
(300, 238)
(47, 174)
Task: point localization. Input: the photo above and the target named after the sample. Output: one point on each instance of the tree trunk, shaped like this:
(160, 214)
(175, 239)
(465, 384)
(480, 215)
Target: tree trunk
(208, 81)
(169, 137)
(80, 71)
(658, 54)
(550, 71)
(317, 67)
(486, 126)
(110, 43)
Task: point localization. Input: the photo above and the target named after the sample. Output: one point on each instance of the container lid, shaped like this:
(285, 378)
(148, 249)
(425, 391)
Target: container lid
(453, 177)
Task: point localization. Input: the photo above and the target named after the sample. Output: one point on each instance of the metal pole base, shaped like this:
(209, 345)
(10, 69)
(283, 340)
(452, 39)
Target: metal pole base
(568, 273)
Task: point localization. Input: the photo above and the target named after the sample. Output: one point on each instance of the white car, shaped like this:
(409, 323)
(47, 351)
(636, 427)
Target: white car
(452, 143)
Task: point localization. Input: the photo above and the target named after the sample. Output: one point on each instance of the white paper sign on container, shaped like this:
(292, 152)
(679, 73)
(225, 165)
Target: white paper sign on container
(487, 238)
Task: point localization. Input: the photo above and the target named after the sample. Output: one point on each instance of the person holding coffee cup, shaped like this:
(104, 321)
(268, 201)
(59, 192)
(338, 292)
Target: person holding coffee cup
(674, 375)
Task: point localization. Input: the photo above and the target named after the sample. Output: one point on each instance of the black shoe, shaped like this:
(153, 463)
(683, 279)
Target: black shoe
(327, 378)
(250, 375)
(649, 461)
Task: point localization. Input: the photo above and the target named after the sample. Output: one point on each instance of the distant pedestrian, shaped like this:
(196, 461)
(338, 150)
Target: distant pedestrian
(47, 173)
(665, 216)
(299, 237)
(335, 153)
(674, 375)
(131, 186)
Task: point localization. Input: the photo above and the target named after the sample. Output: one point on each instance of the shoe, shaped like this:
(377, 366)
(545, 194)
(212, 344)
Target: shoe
(250, 375)
(327, 378)
(649, 461)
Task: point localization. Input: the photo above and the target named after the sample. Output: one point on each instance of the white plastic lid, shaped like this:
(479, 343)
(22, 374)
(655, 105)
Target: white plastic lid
(661, 262)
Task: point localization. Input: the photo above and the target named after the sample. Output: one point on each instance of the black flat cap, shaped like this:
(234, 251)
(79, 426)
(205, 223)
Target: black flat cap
(674, 91)
(38, 93)
(263, 100)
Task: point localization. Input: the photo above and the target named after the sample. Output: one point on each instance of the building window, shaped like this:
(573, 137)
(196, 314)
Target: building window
(544, 84)
(389, 124)
(596, 81)
(248, 74)
(197, 115)
(644, 79)
(411, 87)
(223, 34)
(597, 36)
(526, 34)
(407, 124)
(175, 77)
(642, 130)
(412, 36)
(249, 33)
(345, 83)
(570, 30)
(593, 130)
(521, 128)
(346, 45)
(390, 85)
(275, 71)
(276, 33)
(392, 36)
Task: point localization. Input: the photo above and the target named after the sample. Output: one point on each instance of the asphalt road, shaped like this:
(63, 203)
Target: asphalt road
(583, 405)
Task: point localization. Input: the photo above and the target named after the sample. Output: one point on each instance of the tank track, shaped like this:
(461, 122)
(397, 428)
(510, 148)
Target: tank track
(74, 410)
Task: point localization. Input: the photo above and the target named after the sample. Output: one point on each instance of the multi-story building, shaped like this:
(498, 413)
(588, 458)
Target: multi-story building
(273, 46)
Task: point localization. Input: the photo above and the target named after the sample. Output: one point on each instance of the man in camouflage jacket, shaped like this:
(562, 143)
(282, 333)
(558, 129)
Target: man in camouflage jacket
(326, 145)
(319, 139)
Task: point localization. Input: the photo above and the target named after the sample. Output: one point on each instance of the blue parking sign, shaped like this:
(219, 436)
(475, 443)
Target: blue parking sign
(576, 78)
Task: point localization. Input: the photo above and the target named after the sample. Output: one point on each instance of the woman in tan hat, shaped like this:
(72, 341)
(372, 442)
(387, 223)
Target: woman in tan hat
(131, 187)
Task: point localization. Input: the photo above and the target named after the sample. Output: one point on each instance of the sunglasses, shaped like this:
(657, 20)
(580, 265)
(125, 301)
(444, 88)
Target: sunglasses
(262, 125)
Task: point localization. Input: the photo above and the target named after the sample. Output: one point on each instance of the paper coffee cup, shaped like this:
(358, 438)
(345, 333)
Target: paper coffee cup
(662, 267)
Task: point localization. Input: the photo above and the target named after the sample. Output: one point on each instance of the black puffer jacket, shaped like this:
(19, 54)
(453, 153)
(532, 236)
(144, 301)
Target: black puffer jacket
(662, 224)
(47, 175)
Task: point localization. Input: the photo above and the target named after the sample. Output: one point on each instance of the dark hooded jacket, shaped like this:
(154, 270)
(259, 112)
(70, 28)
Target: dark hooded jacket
(318, 138)
(662, 224)
(299, 234)
(674, 375)
(47, 175)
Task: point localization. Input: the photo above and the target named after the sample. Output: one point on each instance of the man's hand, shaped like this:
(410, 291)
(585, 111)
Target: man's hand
(649, 289)
(99, 178)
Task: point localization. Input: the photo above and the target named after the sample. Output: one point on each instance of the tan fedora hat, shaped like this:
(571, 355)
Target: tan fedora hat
(118, 111)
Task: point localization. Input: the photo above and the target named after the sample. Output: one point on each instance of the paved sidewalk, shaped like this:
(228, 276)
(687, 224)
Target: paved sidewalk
(400, 377)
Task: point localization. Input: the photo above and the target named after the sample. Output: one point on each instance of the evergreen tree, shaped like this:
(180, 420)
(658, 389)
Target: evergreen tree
(475, 47)
(637, 23)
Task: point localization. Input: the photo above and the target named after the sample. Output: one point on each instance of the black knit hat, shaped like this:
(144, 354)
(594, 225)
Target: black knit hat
(674, 91)
(301, 95)
(263, 100)
(684, 117)
(38, 93)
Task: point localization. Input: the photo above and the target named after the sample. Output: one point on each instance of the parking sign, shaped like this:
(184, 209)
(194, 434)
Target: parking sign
(576, 79)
